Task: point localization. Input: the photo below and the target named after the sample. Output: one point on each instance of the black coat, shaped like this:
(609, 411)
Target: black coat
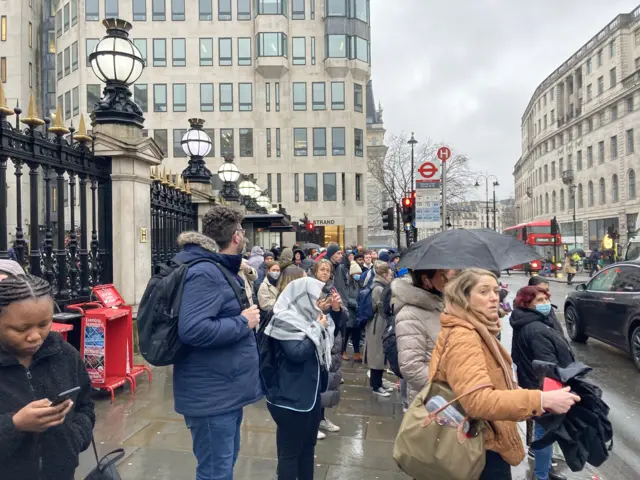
(537, 337)
(56, 367)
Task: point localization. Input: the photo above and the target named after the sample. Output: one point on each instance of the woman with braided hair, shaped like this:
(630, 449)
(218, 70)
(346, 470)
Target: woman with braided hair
(39, 440)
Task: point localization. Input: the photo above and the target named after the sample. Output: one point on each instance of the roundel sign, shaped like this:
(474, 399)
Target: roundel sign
(444, 153)
(428, 170)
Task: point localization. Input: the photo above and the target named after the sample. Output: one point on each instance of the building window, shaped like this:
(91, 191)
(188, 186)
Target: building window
(244, 10)
(630, 104)
(205, 10)
(31, 75)
(296, 187)
(179, 97)
(318, 96)
(603, 192)
(272, 7)
(74, 56)
(178, 133)
(553, 203)
(160, 136)
(590, 199)
(159, 52)
(630, 142)
(59, 23)
(159, 98)
(246, 142)
(329, 187)
(226, 142)
(245, 97)
(299, 96)
(67, 105)
(358, 141)
(614, 147)
(93, 96)
(310, 187)
(67, 22)
(206, 52)
(225, 52)
(338, 141)
(561, 200)
(3, 28)
(590, 125)
(92, 10)
(111, 9)
(300, 142)
(212, 135)
(313, 50)
(612, 49)
(357, 97)
(206, 97)
(177, 11)
(74, 12)
(614, 188)
(141, 44)
(158, 10)
(601, 152)
(589, 156)
(299, 50)
(336, 46)
(267, 96)
(297, 9)
(139, 10)
(358, 187)
(226, 97)
(600, 85)
(67, 61)
(579, 160)
(244, 51)
(269, 150)
(599, 58)
(336, 8)
(277, 96)
(279, 187)
(546, 203)
(580, 197)
(179, 52)
(589, 92)
(30, 33)
(140, 96)
(337, 95)
(631, 177)
(612, 78)
(313, 10)
(359, 49)
(269, 184)
(271, 44)
(224, 10)
(277, 142)
(320, 142)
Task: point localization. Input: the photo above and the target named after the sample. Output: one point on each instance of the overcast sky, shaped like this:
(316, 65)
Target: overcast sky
(463, 71)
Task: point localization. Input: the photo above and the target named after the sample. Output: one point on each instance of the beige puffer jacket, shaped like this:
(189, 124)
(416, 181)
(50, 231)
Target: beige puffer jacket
(417, 329)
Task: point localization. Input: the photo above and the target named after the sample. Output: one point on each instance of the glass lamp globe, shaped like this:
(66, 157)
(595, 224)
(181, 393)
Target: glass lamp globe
(257, 191)
(228, 172)
(196, 143)
(247, 188)
(116, 58)
(263, 201)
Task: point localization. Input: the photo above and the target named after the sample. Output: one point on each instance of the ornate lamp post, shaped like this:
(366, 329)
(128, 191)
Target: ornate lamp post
(196, 144)
(248, 191)
(229, 175)
(486, 186)
(118, 63)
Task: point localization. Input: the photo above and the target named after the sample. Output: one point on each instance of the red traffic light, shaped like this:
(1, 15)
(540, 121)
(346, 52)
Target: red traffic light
(311, 226)
(407, 202)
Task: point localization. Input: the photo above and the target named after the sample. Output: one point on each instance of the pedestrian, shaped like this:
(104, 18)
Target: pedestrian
(257, 257)
(569, 268)
(468, 354)
(302, 337)
(219, 374)
(594, 261)
(10, 268)
(353, 330)
(37, 438)
(248, 275)
(536, 336)
(373, 349)
(268, 292)
(418, 305)
(269, 257)
(286, 255)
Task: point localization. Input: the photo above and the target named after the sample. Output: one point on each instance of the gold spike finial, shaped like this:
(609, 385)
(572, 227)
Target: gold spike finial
(163, 179)
(81, 135)
(183, 186)
(32, 119)
(58, 127)
(152, 175)
(171, 185)
(4, 109)
(188, 187)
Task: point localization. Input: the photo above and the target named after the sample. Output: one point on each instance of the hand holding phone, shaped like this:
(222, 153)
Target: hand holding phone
(39, 416)
(67, 395)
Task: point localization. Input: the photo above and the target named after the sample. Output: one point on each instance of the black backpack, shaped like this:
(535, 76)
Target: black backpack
(159, 311)
(267, 353)
(389, 344)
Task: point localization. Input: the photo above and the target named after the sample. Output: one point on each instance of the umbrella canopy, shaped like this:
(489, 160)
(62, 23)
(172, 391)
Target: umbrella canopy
(309, 246)
(462, 248)
(579, 251)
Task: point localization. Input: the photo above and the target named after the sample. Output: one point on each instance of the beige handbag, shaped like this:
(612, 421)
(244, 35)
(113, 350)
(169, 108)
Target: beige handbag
(425, 450)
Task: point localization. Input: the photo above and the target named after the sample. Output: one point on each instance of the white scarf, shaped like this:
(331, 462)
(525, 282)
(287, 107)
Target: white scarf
(295, 317)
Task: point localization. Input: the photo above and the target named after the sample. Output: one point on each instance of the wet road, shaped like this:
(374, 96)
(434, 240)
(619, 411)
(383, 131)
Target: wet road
(614, 372)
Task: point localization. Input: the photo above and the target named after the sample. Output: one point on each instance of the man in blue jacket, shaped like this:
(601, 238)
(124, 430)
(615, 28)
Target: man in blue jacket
(220, 374)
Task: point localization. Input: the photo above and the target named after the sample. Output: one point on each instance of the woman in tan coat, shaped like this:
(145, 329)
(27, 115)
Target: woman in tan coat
(468, 355)
(268, 291)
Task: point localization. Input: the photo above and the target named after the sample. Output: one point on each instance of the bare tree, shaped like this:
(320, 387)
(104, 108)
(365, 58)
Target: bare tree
(509, 217)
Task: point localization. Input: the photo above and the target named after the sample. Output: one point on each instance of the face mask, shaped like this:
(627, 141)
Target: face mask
(356, 278)
(544, 308)
(274, 275)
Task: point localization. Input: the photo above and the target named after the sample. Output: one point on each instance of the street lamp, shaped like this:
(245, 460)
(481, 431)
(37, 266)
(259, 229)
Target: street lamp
(486, 185)
(118, 63)
(196, 144)
(229, 175)
(575, 233)
(449, 225)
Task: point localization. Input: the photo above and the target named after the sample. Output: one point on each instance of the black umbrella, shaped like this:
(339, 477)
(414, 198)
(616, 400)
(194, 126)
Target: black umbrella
(309, 246)
(579, 251)
(462, 248)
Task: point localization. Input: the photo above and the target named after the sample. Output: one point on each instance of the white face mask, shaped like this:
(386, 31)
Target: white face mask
(274, 275)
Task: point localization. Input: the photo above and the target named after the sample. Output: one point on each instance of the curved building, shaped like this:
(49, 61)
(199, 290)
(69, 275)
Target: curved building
(578, 140)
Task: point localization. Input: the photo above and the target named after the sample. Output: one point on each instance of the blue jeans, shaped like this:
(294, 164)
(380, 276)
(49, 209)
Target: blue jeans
(216, 444)
(543, 457)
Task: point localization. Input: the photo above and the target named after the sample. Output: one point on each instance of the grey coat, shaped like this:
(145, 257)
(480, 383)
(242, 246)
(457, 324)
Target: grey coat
(373, 350)
(417, 329)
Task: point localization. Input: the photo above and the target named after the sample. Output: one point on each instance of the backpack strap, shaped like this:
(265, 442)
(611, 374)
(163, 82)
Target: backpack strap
(444, 350)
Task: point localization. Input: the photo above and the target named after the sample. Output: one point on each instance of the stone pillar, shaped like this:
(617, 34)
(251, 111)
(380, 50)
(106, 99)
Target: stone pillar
(132, 158)
(202, 195)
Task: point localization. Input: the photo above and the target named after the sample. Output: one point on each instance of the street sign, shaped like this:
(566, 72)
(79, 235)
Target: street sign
(427, 172)
(444, 153)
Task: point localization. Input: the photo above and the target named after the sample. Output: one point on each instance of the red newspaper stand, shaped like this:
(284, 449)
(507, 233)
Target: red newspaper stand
(62, 328)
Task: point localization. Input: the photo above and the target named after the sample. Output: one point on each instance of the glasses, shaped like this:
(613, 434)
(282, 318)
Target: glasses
(241, 230)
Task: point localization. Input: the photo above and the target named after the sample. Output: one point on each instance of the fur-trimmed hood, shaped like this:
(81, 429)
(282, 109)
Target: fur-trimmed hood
(196, 238)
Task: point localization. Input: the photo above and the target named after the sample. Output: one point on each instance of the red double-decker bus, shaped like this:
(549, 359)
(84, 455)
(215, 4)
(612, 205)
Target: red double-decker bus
(538, 236)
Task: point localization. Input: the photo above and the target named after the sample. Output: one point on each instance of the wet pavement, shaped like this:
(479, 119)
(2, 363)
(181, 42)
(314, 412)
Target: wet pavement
(158, 445)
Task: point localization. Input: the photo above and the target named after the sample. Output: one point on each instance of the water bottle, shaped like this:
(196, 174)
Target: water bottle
(449, 416)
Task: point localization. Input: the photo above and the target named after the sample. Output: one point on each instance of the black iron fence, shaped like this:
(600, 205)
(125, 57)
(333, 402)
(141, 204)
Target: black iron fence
(172, 212)
(63, 172)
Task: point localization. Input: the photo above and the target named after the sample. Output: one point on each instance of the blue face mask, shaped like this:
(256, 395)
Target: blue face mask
(544, 308)
(356, 278)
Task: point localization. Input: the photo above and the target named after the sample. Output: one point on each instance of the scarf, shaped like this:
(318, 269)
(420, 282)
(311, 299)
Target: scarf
(488, 329)
(295, 317)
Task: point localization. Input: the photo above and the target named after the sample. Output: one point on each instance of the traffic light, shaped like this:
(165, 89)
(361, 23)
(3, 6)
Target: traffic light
(311, 226)
(554, 228)
(408, 212)
(387, 219)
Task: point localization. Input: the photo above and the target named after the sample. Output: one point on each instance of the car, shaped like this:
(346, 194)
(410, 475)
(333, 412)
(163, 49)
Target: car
(607, 308)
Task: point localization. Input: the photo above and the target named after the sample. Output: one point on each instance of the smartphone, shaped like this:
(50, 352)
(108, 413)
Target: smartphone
(62, 397)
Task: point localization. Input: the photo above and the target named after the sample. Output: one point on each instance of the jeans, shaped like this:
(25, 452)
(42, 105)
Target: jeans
(570, 277)
(543, 457)
(376, 379)
(354, 333)
(296, 439)
(495, 468)
(216, 444)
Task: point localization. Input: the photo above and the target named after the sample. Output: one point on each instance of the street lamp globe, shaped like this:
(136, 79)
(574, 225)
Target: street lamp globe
(228, 172)
(116, 58)
(247, 188)
(263, 201)
(257, 192)
(196, 142)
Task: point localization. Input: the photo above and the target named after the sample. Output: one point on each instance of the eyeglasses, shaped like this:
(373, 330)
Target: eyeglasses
(241, 230)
